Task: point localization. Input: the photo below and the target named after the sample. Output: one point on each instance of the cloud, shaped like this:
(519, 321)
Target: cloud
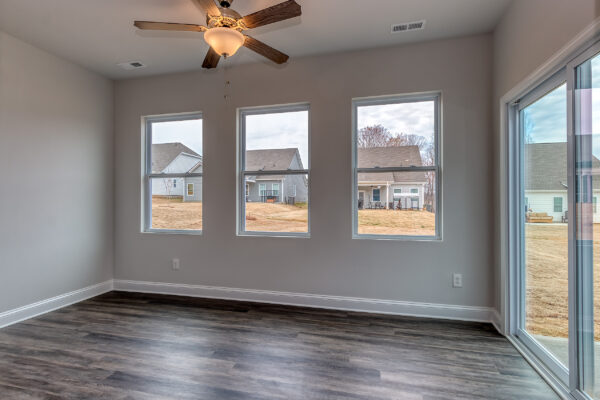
(409, 118)
(188, 132)
(279, 131)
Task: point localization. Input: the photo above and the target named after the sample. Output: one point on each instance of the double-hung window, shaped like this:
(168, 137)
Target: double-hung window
(173, 173)
(274, 167)
(396, 158)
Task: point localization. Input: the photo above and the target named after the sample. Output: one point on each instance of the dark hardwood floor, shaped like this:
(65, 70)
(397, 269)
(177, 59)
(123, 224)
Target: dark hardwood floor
(137, 346)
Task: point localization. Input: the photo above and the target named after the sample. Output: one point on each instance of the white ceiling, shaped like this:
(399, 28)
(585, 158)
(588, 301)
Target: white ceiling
(98, 34)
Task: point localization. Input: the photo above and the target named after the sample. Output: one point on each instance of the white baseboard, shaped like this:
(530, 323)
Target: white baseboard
(496, 320)
(379, 306)
(41, 307)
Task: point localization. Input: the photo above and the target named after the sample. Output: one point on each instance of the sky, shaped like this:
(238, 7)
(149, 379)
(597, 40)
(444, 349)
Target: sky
(188, 132)
(546, 119)
(408, 118)
(279, 131)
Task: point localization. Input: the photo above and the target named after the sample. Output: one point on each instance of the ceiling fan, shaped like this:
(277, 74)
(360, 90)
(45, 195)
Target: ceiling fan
(225, 26)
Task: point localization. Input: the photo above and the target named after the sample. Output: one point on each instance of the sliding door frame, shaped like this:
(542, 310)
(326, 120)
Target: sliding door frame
(570, 381)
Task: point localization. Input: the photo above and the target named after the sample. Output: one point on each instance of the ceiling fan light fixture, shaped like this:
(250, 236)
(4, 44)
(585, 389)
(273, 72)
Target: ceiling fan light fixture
(225, 41)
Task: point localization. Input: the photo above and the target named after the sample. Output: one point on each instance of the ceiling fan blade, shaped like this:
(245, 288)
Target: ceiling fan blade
(265, 50)
(279, 12)
(211, 60)
(169, 26)
(209, 7)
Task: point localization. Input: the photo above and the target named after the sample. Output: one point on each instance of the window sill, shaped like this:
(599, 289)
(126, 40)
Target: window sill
(286, 235)
(400, 238)
(172, 232)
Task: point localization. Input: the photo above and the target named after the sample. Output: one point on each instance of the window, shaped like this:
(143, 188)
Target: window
(396, 143)
(274, 162)
(558, 204)
(595, 204)
(173, 151)
(376, 194)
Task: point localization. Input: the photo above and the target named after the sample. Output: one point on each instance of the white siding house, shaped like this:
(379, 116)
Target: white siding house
(176, 158)
(546, 181)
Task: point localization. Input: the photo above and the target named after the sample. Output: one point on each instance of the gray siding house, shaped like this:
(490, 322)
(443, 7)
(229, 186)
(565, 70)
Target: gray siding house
(275, 188)
(398, 190)
(176, 158)
(546, 180)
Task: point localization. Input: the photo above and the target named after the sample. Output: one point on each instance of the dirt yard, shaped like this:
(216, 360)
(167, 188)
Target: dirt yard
(395, 222)
(546, 279)
(175, 214)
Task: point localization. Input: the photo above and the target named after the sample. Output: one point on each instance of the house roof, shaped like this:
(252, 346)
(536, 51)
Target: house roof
(271, 160)
(164, 153)
(397, 156)
(546, 166)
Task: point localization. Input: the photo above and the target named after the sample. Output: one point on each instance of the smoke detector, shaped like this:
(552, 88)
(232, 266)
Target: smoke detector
(132, 65)
(408, 26)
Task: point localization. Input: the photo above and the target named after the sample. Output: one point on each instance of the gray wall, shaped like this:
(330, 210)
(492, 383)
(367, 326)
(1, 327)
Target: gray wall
(330, 262)
(529, 33)
(56, 147)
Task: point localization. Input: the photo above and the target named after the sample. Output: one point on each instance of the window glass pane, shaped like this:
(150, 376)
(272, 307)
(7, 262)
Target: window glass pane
(544, 130)
(277, 141)
(176, 148)
(280, 208)
(587, 134)
(383, 210)
(172, 210)
(396, 135)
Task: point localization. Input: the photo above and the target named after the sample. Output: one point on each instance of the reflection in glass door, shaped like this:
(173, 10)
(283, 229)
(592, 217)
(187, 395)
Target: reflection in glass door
(587, 140)
(545, 222)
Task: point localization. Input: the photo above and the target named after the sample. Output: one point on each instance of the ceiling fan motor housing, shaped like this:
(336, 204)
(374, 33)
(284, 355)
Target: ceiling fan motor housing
(225, 3)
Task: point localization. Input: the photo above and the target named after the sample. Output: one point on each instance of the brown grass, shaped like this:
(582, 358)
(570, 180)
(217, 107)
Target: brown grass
(176, 214)
(547, 279)
(395, 222)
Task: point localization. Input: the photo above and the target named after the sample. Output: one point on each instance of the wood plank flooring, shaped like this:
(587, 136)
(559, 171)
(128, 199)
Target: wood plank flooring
(139, 346)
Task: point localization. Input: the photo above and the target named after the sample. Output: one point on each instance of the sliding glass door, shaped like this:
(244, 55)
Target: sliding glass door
(555, 224)
(586, 116)
(545, 221)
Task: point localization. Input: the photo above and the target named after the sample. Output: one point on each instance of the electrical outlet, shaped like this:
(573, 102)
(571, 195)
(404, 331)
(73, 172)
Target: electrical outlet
(175, 264)
(456, 280)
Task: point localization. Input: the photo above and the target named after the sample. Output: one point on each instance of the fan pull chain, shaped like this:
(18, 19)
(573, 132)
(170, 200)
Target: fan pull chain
(227, 82)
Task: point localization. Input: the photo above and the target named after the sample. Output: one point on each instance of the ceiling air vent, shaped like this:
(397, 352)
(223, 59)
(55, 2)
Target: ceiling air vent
(131, 65)
(408, 26)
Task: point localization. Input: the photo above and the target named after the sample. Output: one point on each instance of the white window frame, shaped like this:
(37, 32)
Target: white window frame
(187, 190)
(243, 173)
(262, 187)
(273, 188)
(147, 175)
(436, 97)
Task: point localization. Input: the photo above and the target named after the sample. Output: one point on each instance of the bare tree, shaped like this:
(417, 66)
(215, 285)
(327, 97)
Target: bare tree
(373, 136)
(168, 183)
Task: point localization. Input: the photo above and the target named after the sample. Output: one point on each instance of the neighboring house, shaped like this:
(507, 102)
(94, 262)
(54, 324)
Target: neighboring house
(176, 158)
(546, 180)
(405, 190)
(275, 188)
